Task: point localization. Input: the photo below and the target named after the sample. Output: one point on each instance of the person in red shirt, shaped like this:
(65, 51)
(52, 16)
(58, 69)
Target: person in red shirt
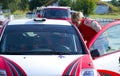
(39, 15)
(88, 27)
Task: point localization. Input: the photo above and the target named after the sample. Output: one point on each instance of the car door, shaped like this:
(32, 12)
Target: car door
(105, 50)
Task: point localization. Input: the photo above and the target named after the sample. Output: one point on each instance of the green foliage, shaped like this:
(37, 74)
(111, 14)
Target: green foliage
(0, 4)
(23, 5)
(115, 2)
(14, 5)
(5, 3)
(86, 6)
(34, 3)
(65, 3)
(38, 3)
(50, 2)
(97, 1)
(106, 16)
(19, 12)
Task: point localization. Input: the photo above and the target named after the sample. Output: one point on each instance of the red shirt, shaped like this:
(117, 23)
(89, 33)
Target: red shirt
(87, 29)
(39, 15)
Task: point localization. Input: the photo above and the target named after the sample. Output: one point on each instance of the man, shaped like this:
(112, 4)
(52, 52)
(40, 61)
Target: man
(88, 27)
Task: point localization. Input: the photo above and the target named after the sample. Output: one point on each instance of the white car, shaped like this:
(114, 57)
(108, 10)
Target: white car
(44, 47)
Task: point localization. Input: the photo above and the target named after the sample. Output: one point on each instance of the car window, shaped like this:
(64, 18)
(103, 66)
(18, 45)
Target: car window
(41, 40)
(108, 41)
(56, 13)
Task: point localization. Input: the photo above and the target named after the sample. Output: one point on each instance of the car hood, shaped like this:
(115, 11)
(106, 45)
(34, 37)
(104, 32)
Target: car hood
(44, 65)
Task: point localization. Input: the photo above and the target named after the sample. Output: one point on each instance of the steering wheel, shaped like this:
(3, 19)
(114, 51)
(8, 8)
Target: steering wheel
(63, 48)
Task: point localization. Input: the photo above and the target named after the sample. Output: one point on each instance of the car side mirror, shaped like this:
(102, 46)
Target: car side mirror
(95, 53)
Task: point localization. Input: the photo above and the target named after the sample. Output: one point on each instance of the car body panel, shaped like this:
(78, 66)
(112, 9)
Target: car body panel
(39, 65)
(108, 64)
(109, 61)
(11, 68)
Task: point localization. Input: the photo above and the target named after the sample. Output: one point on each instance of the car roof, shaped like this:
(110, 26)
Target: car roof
(57, 7)
(39, 21)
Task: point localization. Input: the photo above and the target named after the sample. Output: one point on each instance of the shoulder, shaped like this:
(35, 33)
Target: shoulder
(87, 21)
(93, 24)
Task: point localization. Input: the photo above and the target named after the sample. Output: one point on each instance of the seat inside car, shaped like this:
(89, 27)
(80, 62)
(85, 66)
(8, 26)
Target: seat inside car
(18, 42)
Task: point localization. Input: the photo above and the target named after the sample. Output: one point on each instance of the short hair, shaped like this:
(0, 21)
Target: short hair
(76, 15)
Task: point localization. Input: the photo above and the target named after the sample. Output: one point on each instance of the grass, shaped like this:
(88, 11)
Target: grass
(109, 16)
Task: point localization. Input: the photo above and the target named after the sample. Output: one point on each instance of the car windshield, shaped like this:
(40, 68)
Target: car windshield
(56, 13)
(41, 39)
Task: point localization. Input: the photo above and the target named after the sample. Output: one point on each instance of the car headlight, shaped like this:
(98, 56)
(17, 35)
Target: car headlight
(3, 73)
(89, 72)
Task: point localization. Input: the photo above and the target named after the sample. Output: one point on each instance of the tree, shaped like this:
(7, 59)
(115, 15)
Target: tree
(38, 3)
(35, 3)
(65, 3)
(4, 3)
(24, 5)
(85, 6)
(14, 5)
(116, 2)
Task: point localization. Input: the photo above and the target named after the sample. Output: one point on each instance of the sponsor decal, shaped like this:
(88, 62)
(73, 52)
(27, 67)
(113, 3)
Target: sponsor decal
(73, 68)
(12, 68)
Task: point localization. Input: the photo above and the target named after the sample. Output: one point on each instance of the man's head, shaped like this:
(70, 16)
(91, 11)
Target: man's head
(76, 18)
